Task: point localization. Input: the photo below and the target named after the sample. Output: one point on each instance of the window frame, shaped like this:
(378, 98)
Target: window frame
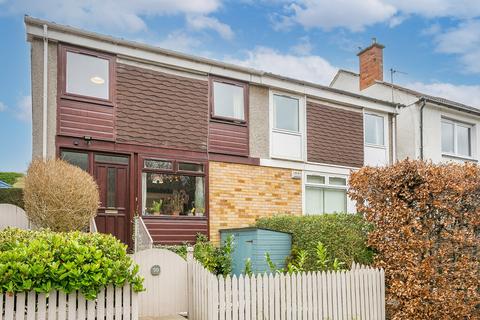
(385, 130)
(174, 171)
(62, 85)
(230, 120)
(325, 185)
(455, 124)
(302, 118)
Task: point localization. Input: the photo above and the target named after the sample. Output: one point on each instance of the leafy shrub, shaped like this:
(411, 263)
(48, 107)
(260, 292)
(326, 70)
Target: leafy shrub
(426, 236)
(59, 196)
(10, 177)
(45, 261)
(12, 196)
(343, 235)
(217, 260)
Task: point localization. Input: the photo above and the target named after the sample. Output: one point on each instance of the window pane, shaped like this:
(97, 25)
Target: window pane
(78, 159)
(194, 167)
(228, 101)
(87, 75)
(111, 187)
(337, 181)
(335, 200)
(316, 179)
(286, 111)
(313, 200)
(111, 159)
(158, 164)
(447, 137)
(463, 140)
(167, 194)
(374, 129)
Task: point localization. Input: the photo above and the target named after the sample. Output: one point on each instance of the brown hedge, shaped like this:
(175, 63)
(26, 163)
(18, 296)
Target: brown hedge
(59, 196)
(427, 222)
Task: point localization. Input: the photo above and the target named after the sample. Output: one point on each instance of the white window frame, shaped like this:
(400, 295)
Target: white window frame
(455, 124)
(302, 118)
(385, 130)
(325, 185)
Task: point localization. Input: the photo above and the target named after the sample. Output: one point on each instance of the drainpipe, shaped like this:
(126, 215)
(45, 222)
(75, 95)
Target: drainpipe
(423, 101)
(45, 91)
(394, 135)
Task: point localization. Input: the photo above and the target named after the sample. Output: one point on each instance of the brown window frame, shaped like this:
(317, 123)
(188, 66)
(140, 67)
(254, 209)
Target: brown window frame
(244, 85)
(62, 63)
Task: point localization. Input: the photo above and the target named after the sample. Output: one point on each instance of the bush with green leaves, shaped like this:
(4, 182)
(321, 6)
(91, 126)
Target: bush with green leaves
(217, 260)
(44, 260)
(10, 177)
(343, 235)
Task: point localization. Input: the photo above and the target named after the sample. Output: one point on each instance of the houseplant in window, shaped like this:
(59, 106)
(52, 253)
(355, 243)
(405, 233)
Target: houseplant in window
(179, 199)
(156, 207)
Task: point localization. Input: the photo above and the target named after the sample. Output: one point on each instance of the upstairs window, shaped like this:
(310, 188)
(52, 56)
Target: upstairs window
(286, 113)
(374, 129)
(456, 138)
(229, 101)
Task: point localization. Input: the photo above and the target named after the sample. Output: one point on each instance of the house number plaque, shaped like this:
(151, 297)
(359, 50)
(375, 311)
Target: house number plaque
(155, 270)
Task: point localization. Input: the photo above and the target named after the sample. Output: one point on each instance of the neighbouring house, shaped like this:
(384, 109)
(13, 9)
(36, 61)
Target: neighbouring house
(194, 145)
(4, 185)
(428, 127)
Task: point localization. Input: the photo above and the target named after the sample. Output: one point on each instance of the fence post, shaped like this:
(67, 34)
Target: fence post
(190, 281)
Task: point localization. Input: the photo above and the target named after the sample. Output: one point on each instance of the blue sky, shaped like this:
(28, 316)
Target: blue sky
(435, 42)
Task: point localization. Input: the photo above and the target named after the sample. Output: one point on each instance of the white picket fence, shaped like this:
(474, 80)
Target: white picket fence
(111, 303)
(358, 294)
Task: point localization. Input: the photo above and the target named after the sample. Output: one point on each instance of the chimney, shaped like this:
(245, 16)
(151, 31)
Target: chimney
(371, 64)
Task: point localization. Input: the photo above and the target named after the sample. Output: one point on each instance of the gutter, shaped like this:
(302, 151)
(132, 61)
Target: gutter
(423, 100)
(45, 91)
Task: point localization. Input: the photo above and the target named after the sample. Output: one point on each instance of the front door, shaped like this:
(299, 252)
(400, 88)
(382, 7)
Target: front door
(112, 176)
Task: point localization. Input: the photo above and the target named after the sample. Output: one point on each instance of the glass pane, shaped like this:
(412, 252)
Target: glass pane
(316, 179)
(313, 200)
(111, 187)
(87, 75)
(168, 194)
(463, 140)
(335, 200)
(337, 181)
(194, 167)
(447, 137)
(286, 111)
(158, 164)
(374, 129)
(111, 159)
(228, 100)
(78, 159)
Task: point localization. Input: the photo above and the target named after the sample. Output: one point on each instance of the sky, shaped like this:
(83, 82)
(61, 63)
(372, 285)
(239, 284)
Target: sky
(435, 44)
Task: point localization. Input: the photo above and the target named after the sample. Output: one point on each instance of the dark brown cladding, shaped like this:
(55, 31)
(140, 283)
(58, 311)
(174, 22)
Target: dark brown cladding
(334, 135)
(161, 110)
(175, 231)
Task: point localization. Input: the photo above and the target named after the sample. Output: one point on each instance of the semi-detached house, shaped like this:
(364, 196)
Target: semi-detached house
(194, 145)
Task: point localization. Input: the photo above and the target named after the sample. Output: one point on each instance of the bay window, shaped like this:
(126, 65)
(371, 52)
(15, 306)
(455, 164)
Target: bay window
(456, 138)
(325, 194)
(173, 188)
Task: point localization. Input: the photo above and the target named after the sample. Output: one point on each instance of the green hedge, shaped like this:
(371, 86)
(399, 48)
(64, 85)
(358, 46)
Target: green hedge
(13, 196)
(10, 177)
(344, 235)
(46, 260)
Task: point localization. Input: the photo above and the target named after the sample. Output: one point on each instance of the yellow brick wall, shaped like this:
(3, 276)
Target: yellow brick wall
(241, 193)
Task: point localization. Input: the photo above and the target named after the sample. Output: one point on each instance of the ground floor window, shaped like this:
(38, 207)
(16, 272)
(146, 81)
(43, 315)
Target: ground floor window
(171, 188)
(325, 194)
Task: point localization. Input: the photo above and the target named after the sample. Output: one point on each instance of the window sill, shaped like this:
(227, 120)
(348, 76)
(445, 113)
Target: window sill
(85, 99)
(231, 121)
(174, 217)
(458, 157)
(377, 146)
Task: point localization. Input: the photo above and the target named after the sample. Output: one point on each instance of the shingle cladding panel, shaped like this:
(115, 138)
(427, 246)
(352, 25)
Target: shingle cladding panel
(161, 110)
(334, 135)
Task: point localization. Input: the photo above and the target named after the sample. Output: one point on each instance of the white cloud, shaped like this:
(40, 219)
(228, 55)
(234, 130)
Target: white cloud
(112, 15)
(201, 22)
(303, 47)
(466, 94)
(460, 9)
(3, 106)
(309, 67)
(23, 111)
(179, 41)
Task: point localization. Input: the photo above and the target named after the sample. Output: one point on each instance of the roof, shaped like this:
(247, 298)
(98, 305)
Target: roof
(228, 66)
(4, 185)
(422, 96)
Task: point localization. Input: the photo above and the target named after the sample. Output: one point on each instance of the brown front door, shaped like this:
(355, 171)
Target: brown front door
(112, 176)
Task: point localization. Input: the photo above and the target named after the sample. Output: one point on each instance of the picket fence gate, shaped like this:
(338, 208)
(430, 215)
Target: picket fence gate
(119, 303)
(358, 294)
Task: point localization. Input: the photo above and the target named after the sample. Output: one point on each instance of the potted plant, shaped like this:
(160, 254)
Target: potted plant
(200, 212)
(157, 207)
(179, 199)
